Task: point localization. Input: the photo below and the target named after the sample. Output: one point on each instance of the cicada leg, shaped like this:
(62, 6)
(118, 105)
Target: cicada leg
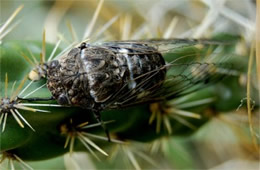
(36, 99)
(99, 120)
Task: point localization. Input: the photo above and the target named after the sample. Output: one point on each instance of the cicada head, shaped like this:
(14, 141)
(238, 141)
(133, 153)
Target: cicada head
(66, 81)
(54, 83)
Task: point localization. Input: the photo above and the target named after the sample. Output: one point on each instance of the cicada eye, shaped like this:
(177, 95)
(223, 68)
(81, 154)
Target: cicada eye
(63, 100)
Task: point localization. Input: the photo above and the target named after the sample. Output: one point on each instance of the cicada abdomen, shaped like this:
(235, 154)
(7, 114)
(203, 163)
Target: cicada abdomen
(93, 77)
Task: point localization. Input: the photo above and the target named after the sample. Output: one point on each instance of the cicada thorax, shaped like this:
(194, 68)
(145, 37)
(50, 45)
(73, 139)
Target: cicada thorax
(94, 76)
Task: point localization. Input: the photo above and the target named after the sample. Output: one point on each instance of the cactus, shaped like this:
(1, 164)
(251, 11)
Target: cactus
(38, 131)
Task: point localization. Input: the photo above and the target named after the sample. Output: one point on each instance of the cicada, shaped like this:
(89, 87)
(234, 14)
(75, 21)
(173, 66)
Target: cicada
(121, 74)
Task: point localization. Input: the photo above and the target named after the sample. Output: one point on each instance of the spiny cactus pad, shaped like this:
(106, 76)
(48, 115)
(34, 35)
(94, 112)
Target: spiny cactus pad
(42, 130)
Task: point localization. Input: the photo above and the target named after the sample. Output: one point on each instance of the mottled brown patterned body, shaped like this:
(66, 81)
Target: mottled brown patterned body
(94, 77)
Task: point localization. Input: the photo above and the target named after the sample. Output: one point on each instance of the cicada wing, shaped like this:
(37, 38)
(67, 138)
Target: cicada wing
(190, 64)
(181, 79)
(163, 45)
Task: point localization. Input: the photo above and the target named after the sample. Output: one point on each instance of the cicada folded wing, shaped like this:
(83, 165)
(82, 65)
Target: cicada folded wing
(189, 67)
(163, 45)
